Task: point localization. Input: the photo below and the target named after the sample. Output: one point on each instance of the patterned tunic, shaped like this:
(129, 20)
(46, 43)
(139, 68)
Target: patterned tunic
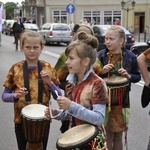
(15, 80)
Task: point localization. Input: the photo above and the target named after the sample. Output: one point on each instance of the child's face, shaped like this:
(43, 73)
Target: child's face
(32, 48)
(74, 63)
(113, 41)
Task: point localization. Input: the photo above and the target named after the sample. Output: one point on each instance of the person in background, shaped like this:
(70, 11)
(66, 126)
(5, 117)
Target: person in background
(71, 25)
(81, 104)
(18, 28)
(21, 84)
(117, 22)
(118, 62)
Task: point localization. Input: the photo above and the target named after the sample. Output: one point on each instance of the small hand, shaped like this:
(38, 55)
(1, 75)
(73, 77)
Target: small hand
(46, 77)
(107, 68)
(124, 73)
(63, 102)
(20, 93)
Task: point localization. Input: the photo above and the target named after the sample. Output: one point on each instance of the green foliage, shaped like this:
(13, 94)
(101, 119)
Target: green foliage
(9, 7)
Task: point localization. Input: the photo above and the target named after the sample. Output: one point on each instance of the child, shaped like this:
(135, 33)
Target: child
(62, 70)
(117, 61)
(21, 84)
(60, 66)
(86, 93)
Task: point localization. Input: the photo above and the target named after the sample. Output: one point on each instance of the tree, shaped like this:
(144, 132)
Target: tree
(9, 7)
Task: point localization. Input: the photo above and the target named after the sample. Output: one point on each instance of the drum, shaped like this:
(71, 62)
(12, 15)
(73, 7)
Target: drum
(117, 89)
(35, 125)
(77, 137)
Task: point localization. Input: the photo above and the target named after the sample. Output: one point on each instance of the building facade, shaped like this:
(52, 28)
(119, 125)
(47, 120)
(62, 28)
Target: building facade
(135, 19)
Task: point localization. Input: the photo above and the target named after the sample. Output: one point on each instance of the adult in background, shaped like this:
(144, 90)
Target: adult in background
(18, 27)
(118, 63)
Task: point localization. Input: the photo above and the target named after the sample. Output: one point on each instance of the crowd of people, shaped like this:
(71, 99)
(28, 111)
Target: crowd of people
(96, 86)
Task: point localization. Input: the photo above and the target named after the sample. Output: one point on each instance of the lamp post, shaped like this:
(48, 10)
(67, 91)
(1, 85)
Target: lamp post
(128, 9)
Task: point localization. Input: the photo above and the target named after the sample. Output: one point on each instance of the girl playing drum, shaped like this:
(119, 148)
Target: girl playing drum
(86, 93)
(30, 81)
(118, 62)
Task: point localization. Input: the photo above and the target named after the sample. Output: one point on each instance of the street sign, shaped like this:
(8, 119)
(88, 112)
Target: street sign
(70, 8)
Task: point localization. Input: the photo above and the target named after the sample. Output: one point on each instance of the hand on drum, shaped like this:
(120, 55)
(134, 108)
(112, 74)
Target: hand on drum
(46, 77)
(107, 68)
(20, 93)
(47, 112)
(124, 73)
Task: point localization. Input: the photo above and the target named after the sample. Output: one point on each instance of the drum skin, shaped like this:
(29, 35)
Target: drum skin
(34, 123)
(77, 137)
(116, 81)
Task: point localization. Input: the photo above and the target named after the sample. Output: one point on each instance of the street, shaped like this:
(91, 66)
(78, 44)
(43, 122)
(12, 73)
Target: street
(139, 124)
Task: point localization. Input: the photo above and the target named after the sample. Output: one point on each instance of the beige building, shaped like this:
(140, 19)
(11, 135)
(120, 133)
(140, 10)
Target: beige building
(136, 19)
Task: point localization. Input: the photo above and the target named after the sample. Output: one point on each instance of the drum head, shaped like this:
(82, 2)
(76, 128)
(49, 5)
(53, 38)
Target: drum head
(77, 136)
(34, 111)
(116, 80)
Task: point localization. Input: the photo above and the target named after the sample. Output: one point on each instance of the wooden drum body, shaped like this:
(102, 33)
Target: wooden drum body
(77, 137)
(35, 125)
(117, 89)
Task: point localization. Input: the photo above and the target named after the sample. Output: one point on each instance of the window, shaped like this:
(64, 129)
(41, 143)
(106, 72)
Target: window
(92, 17)
(60, 16)
(110, 17)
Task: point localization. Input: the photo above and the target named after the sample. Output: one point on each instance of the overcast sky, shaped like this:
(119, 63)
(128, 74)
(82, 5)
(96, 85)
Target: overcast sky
(15, 1)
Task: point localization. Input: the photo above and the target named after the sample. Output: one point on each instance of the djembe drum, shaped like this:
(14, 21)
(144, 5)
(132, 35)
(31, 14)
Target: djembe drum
(117, 92)
(77, 137)
(117, 89)
(35, 125)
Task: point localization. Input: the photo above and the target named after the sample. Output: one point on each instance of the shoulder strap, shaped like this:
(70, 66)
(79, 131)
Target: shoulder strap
(26, 82)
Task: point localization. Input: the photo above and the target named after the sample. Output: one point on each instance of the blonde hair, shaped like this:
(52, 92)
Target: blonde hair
(120, 32)
(30, 34)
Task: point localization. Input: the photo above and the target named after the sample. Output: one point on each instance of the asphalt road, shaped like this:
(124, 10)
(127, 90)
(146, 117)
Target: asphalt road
(139, 126)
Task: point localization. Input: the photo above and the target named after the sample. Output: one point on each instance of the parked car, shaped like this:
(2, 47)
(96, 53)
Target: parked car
(100, 32)
(56, 33)
(7, 27)
(140, 47)
(31, 26)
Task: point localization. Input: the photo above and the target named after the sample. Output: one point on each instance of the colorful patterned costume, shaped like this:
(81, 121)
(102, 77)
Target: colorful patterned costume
(15, 80)
(87, 93)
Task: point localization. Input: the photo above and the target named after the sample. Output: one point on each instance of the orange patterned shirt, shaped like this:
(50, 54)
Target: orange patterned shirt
(15, 81)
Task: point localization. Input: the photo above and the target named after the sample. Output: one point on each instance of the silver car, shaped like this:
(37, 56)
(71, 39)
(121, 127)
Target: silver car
(56, 33)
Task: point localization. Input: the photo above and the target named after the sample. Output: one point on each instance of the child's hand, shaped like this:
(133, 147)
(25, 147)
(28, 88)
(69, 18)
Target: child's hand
(20, 93)
(47, 112)
(107, 68)
(46, 77)
(124, 73)
(63, 102)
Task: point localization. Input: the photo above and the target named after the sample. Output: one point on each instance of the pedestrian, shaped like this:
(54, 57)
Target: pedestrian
(62, 70)
(117, 22)
(119, 67)
(86, 93)
(25, 78)
(17, 27)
